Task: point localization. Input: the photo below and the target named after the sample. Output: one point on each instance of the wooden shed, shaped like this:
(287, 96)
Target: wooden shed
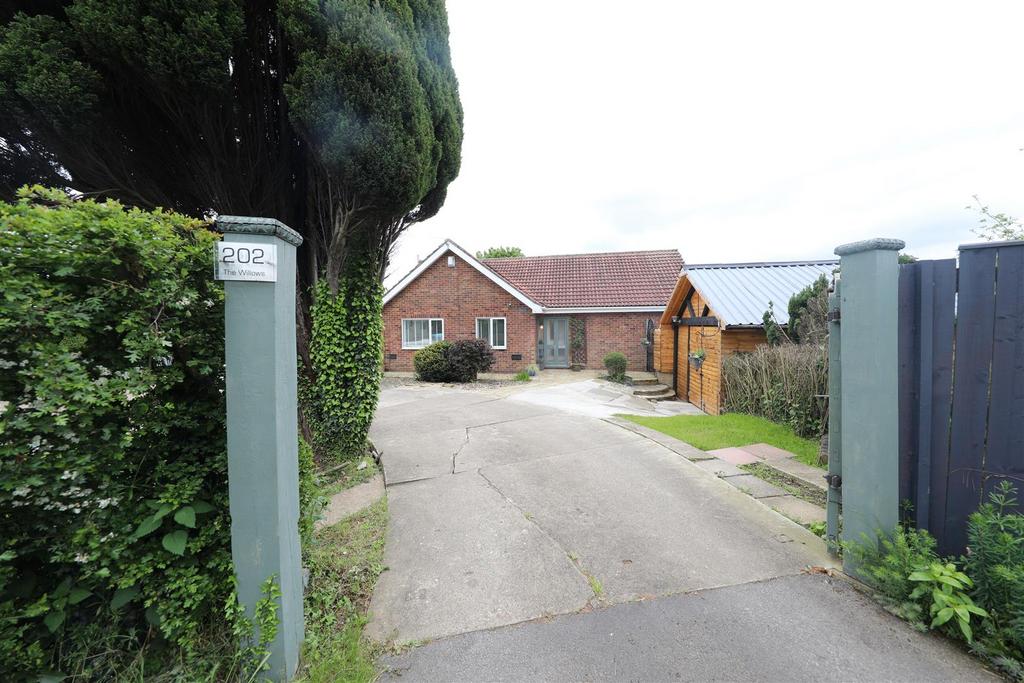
(717, 310)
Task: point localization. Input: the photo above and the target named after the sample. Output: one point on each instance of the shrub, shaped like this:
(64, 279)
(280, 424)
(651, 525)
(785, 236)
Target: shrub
(346, 354)
(523, 376)
(458, 361)
(467, 358)
(113, 485)
(888, 562)
(615, 363)
(996, 564)
(431, 362)
(781, 383)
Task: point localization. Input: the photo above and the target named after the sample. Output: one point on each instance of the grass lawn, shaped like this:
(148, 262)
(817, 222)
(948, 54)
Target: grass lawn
(708, 432)
(344, 562)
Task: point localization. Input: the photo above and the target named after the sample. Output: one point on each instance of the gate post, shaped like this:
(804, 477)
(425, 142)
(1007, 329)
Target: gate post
(869, 367)
(834, 495)
(257, 260)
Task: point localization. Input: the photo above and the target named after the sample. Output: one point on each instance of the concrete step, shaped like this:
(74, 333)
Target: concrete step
(644, 381)
(650, 390)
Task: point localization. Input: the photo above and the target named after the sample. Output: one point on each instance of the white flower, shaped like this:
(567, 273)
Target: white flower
(22, 491)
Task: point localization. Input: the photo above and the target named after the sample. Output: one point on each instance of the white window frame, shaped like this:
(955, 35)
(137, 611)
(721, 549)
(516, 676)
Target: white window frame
(504, 322)
(430, 337)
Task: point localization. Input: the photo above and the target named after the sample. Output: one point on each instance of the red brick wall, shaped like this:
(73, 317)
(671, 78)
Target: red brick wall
(459, 296)
(625, 332)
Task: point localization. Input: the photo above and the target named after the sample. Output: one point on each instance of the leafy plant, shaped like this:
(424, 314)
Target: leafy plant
(615, 363)
(500, 252)
(887, 563)
(345, 352)
(946, 586)
(113, 469)
(995, 561)
(457, 361)
(522, 376)
(699, 355)
(468, 357)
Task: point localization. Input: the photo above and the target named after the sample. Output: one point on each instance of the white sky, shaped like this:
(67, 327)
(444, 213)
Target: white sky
(732, 131)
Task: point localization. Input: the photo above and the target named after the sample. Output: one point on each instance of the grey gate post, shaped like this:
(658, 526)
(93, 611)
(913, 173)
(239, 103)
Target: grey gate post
(834, 496)
(262, 416)
(869, 390)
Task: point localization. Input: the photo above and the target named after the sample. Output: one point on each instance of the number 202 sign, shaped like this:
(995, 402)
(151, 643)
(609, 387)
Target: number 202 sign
(246, 261)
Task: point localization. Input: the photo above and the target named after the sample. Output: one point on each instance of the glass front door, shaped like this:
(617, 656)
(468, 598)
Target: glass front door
(555, 342)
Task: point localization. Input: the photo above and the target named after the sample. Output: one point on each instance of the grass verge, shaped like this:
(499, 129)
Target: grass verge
(708, 432)
(348, 475)
(344, 562)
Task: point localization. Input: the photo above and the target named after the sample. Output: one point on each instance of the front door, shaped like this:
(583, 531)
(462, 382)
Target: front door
(554, 335)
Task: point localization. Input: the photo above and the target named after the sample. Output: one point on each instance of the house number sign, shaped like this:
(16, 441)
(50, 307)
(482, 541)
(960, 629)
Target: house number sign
(250, 261)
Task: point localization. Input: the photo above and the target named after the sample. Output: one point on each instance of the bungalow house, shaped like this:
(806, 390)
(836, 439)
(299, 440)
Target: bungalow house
(718, 309)
(552, 311)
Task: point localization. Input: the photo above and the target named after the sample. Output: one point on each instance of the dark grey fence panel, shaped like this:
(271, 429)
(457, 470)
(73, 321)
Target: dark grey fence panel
(909, 342)
(1004, 452)
(972, 365)
(927, 298)
(939, 299)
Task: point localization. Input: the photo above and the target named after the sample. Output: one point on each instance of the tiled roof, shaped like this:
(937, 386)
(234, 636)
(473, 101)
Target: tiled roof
(739, 293)
(626, 278)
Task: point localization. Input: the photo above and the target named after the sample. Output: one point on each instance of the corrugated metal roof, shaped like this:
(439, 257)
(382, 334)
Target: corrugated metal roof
(739, 293)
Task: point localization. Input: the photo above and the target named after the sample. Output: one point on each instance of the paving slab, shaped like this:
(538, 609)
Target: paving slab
(646, 522)
(795, 508)
(458, 409)
(737, 456)
(815, 476)
(460, 558)
(351, 500)
(720, 468)
(755, 486)
(766, 451)
(796, 628)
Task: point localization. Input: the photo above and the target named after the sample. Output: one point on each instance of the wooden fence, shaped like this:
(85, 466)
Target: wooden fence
(961, 385)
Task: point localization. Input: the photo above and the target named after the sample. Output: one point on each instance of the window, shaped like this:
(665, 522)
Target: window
(420, 332)
(491, 330)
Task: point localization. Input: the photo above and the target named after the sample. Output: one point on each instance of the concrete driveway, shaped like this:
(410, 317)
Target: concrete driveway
(510, 512)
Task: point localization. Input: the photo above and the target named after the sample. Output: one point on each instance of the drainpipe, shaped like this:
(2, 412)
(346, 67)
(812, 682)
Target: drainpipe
(675, 355)
(687, 363)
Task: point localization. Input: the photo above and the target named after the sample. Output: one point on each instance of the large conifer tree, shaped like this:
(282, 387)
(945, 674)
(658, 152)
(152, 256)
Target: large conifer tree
(340, 118)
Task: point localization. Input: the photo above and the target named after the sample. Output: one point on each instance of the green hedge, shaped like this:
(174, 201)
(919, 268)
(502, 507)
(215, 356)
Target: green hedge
(113, 484)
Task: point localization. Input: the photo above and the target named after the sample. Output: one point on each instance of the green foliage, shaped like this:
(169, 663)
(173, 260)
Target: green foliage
(500, 252)
(994, 225)
(344, 565)
(200, 105)
(431, 362)
(887, 563)
(113, 484)
(458, 361)
(468, 357)
(781, 383)
(523, 376)
(996, 563)
(772, 329)
(374, 95)
(615, 363)
(808, 311)
(346, 352)
(311, 500)
(947, 589)
(904, 258)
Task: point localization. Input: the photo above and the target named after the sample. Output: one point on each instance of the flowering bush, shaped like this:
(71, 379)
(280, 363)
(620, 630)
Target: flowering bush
(113, 471)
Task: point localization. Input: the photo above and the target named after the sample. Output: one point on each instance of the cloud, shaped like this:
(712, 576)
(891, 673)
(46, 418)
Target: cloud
(737, 131)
